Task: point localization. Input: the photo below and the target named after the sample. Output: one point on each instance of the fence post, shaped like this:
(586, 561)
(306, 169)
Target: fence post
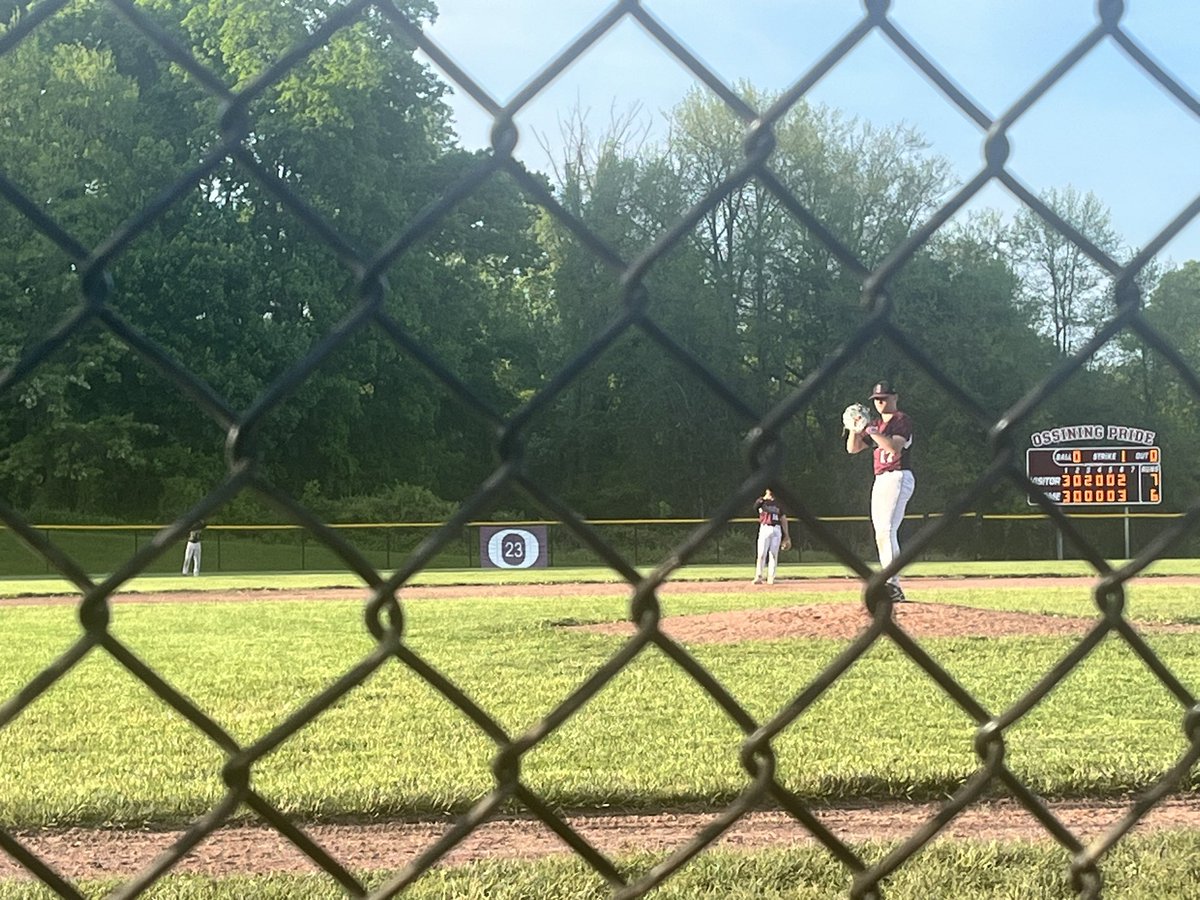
(302, 548)
(1127, 532)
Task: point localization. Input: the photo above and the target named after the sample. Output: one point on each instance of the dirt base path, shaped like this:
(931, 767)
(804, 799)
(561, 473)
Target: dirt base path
(80, 853)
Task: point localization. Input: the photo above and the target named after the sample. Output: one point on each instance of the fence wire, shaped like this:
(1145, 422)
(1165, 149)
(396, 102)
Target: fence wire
(384, 613)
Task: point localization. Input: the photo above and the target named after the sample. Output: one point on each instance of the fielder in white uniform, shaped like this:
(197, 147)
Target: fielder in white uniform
(191, 554)
(890, 437)
(772, 535)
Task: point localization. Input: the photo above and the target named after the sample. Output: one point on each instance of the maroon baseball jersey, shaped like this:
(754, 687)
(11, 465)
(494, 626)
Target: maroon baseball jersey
(768, 511)
(900, 425)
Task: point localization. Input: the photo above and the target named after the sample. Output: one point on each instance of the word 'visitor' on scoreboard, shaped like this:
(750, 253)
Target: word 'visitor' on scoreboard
(1097, 476)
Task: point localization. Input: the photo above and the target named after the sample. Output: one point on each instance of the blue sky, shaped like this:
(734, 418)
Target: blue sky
(1106, 128)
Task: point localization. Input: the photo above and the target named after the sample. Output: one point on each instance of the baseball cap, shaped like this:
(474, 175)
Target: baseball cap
(883, 389)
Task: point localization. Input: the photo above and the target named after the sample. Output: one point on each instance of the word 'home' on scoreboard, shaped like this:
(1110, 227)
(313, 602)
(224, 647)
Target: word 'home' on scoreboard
(1097, 476)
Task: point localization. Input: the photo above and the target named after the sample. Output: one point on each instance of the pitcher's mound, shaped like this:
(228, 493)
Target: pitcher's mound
(846, 620)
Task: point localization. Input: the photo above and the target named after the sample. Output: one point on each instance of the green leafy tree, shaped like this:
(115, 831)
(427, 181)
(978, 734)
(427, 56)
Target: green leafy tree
(868, 186)
(230, 282)
(71, 125)
(791, 300)
(634, 432)
(1154, 390)
(1067, 290)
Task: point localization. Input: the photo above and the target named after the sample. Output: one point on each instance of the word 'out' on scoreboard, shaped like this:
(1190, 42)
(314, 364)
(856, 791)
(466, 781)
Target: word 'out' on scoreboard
(1097, 476)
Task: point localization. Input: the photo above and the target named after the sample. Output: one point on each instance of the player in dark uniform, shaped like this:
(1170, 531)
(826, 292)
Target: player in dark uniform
(772, 534)
(890, 437)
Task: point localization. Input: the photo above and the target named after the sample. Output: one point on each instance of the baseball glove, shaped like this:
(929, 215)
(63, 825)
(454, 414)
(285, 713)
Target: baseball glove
(856, 418)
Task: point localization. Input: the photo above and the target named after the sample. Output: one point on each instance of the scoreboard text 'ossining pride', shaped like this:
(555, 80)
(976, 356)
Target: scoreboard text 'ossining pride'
(1070, 433)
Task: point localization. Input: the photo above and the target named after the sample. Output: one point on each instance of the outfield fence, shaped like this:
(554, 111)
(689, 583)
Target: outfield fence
(291, 548)
(383, 614)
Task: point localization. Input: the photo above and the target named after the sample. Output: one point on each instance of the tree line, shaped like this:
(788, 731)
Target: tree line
(232, 285)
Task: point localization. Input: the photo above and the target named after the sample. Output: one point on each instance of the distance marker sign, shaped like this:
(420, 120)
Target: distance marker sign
(508, 547)
(1097, 476)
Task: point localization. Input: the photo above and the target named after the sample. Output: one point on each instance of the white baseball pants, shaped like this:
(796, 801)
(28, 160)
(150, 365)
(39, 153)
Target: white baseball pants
(769, 539)
(191, 557)
(889, 498)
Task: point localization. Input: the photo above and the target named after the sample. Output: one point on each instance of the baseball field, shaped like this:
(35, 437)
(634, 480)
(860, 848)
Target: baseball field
(393, 772)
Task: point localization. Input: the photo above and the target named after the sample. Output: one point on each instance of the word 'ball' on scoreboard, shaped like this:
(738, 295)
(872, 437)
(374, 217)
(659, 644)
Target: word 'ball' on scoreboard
(1097, 476)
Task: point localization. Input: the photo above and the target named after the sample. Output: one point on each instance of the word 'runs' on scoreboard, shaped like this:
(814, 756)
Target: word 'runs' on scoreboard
(1097, 476)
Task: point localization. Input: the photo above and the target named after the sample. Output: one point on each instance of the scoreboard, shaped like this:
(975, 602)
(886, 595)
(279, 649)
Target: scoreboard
(1097, 476)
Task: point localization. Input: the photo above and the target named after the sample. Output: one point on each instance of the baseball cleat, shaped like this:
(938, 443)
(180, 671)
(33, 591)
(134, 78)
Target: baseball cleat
(895, 594)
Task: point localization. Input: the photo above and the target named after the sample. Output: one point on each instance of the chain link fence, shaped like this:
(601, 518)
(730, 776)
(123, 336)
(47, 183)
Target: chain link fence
(384, 614)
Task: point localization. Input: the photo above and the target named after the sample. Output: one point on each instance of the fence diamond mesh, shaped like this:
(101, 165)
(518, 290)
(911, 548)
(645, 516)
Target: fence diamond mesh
(384, 613)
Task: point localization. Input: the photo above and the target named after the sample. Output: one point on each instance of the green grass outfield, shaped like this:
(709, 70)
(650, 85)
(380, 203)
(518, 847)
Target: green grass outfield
(98, 748)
